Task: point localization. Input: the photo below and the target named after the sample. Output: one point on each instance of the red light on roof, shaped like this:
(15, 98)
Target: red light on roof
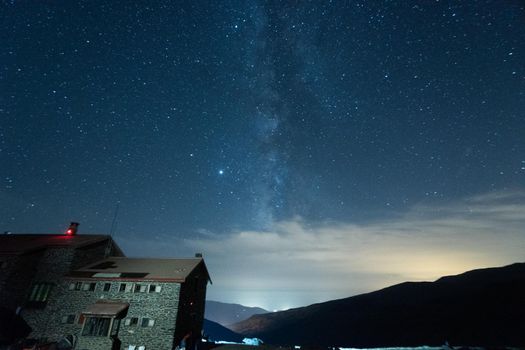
(72, 230)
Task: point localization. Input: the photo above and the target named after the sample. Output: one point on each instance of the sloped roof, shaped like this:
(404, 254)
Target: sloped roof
(173, 270)
(16, 244)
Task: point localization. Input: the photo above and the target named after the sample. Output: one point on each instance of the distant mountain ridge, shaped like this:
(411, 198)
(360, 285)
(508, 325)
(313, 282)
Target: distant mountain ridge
(227, 314)
(483, 307)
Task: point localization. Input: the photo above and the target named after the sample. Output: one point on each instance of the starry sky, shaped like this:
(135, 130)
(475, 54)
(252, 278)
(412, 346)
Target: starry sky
(309, 149)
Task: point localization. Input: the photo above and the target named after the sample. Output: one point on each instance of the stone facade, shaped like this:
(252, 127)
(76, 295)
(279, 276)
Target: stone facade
(51, 267)
(33, 265)
(57, 282)
(16, 275)
(159, 307)
(160, 314)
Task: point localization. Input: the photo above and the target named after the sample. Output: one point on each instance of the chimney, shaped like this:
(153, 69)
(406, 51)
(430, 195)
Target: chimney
(73, 228)
(198, 255)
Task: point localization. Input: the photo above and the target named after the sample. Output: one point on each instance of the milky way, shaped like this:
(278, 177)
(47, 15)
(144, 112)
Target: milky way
(219, 117)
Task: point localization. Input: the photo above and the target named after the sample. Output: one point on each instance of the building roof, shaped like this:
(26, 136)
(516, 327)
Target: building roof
(172, 270)
(16, 244)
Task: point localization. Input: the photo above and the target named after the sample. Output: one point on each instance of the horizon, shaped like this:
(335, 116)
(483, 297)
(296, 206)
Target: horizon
(292, 306)
(276, 310)
(311, 151)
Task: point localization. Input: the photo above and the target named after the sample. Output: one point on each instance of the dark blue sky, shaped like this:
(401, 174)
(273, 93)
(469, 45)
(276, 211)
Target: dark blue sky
(219, 117)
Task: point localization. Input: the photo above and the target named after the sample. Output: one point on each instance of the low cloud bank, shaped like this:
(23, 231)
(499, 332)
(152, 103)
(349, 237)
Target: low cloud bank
(297, 263)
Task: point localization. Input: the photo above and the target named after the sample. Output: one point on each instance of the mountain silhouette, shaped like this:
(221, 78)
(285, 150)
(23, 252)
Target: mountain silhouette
(484, 307)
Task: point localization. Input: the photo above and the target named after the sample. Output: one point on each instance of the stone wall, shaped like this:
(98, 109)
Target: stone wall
(52, 266)
(16, 277)
(160, 306)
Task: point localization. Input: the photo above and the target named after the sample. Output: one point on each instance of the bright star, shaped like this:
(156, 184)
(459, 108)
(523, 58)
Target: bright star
(221, 172)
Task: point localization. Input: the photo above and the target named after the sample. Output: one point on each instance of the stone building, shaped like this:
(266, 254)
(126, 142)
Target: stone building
(32, 265)
(128, 303)
(83, 287)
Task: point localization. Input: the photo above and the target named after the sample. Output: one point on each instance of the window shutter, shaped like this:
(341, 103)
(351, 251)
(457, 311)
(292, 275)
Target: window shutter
(151, 323)
(127, 322)
(71, 286)
(64, 319)
(158, 289)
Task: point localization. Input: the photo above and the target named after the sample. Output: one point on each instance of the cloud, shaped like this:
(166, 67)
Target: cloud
(296, 262)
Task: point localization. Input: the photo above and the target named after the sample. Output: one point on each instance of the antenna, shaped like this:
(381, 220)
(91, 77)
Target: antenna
(114, 222)
(112, 231)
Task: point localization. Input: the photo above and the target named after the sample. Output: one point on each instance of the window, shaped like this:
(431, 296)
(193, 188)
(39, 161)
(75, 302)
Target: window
(132, 321)
(107, 287)
(89, 286)
(39, 294)
(96, 326)
(125, 287)
(141, 288)
(115, 328)
(75, 286)
(147, 322)
(69, 319)
(154, 288)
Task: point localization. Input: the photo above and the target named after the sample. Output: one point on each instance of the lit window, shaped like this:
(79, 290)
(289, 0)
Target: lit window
(107, 287)
(96, 326)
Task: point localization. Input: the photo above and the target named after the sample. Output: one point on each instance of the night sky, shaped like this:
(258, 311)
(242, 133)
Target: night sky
(310, 150)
